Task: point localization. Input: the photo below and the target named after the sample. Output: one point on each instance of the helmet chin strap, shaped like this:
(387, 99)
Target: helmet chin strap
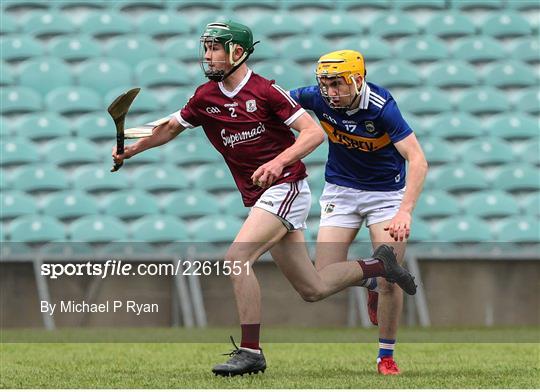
(220, 76)
(356, 91)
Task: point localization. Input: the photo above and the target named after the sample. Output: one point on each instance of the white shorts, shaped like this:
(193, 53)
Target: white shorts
(348, 207)
(289, 201)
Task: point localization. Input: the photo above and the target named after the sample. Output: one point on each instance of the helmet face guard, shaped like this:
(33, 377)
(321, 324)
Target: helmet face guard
(331, 99)
(231, 35)
(345, 64)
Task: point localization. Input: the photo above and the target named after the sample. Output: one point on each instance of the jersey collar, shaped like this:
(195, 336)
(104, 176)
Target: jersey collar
(231, 94)
(364, 99)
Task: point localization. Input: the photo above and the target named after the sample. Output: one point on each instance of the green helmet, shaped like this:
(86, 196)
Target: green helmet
(228, 34)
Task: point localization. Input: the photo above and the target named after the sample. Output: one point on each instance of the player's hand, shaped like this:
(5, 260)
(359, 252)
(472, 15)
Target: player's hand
(267, 174)
(119, 158)
(399, 227)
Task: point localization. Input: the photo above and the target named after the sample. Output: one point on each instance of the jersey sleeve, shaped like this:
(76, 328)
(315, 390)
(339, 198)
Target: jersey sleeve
(283, 105)
(305, 96)
(187, 116)
(393, 122)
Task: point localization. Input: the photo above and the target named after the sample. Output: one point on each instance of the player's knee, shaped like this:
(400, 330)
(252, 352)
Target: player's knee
(311, 294)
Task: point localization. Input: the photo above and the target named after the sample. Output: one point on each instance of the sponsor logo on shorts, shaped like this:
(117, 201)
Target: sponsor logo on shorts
(329, 208)
(267, 202)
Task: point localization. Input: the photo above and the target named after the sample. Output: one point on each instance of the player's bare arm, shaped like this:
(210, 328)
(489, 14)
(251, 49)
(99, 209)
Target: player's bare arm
(161, 134)
(311, 135)
(400, 226)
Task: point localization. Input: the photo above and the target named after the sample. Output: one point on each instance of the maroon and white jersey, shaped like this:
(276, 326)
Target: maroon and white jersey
(248, 126)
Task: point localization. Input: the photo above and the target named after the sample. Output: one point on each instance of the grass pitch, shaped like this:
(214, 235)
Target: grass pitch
(290, 365)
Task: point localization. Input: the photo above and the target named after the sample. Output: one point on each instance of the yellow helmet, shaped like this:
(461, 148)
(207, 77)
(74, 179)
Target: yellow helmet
(346, 63)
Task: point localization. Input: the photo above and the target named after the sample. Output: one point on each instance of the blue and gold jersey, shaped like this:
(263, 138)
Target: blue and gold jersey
(361, 152)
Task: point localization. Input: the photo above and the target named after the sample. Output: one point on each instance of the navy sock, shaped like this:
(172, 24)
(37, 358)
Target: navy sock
(386, 347)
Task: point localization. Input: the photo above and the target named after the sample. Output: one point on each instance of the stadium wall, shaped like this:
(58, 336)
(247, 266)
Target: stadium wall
(459, 293)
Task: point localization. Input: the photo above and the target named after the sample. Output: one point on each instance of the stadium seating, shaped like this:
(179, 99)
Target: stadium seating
(74, 48)
(161, 24)
(191, 204)
(158, 71)
(508, 24)
(193, 151)
(426, 48)
(132, 49)
(373, 48)
(464, 74)
(529, 101)
(509, 74)
(8, 25)
(90, 179)
(462, 229)
(16, 203)
(487, 152)
(425, 100)
(5, 127)
(146, 101)
(71, 151)
(477, 49)
(484, 101)
(526, 49)
(95, 126)
(392, 73)
(40, 23)
(305, 48)
(278, 25)
(38, 177)
(452, 74)
(233, 205)
(438, 151)
(456, 125)
(159, 177)
(44, 126)
(213, 177)
(436, 204)
(393, 25)
(531, 205)
(517, 177)
(130, 204)
(97, 229)
(69, 204)
(19, 47)
(71, 99)
(459, 178)
(490, 204)
(519, 229)
(36, 228)
(215, 228)
(17, 150)
(337, 25)
(513, 126)
(100, 24)
(158, 228)
(7, 76)
(103, 74)
(286, 73)
(19, 99)
(450, 24)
